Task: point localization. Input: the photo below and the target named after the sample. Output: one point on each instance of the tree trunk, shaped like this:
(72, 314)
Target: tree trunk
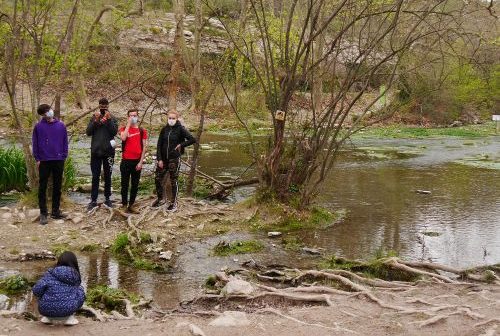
(195, 92)
(175, 69)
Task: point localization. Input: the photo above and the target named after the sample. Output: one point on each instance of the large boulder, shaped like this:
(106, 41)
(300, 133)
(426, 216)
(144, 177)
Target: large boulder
(237, 286)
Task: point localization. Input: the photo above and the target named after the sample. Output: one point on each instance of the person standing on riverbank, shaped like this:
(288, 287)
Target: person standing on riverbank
(50, 149)
(171, 143)
(134, 144)
(102, 128)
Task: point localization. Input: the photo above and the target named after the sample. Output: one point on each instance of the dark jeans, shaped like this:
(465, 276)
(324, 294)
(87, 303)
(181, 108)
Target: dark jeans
(172, 168)
(95, 165)
(129, 174)
(56, 169)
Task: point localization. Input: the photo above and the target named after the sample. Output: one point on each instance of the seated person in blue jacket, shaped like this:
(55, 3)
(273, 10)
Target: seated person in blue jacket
(59, 291)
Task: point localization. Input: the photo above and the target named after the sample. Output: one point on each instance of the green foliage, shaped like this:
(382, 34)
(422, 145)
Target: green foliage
(120, 243)
(292, 243)
(14, 284)
(70, 174)
(239, 247)
(107, 298)
(12, 170)
(59, 249)
(133, 253)
(89, 248)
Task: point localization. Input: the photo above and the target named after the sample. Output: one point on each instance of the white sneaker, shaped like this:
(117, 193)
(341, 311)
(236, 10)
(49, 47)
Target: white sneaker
(45, 320)
(71, 321)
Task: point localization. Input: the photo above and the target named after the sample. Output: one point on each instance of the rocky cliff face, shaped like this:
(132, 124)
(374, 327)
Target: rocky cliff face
(151, 32)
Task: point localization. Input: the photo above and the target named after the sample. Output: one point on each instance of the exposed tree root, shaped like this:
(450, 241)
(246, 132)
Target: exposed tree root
(336, 328)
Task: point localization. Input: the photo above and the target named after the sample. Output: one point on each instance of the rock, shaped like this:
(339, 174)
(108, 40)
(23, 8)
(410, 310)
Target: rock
(42, 255)
(21, 216)
(311, 250)
(166, 255)
(76, 220)
(274, 234)
(195, 330)
(5, 209)
(216, 23)
(31, 213)
(4, 302)
(6, 215)
(237, 286)
(59, 221)
(456, 123)
(425, 192)
(230, 319)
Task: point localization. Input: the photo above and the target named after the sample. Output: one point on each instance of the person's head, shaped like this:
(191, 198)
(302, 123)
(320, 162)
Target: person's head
(46, 111)
(172, 116)
(134, 115)
(103, 105)
(68, 258)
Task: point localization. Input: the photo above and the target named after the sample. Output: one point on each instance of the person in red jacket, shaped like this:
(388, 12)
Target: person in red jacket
(134, 144)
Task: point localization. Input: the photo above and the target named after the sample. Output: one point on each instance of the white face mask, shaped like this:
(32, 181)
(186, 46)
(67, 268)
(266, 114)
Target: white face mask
(172, 122)
(50, 114)
(134, 120)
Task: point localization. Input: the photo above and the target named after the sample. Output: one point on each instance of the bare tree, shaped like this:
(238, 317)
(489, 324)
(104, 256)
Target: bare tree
(348, 42)
(179, 43)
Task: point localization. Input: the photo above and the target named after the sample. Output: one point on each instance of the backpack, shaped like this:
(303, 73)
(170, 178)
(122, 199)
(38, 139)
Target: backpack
(141, 134)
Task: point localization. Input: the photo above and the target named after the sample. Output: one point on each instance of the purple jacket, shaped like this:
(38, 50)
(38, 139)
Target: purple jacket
(50, 141)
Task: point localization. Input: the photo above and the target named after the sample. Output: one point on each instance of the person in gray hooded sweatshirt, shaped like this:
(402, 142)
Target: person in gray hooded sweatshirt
(102, 128)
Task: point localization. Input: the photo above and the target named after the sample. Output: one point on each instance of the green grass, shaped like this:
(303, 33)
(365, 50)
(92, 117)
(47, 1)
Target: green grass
(90, 248)
(108, 299)
(129, 253)
(12, 170)
(292, 243)
(238, 247)
(14, 284)
(58, 249)
(402, 131)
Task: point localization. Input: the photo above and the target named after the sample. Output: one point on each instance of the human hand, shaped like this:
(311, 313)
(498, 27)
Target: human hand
(38, 164)
(160, 164)
(97, 114)
(139, 166)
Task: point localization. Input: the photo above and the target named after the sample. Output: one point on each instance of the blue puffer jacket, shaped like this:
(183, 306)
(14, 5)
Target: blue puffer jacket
(59, 292)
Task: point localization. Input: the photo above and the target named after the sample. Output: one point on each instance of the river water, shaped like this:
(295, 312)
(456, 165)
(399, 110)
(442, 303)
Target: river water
(376, 182)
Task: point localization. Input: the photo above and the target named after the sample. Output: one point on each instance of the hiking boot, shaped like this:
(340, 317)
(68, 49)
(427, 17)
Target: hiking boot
(108, 204)
(43, 219)
(92, 205)
(133, 210)
(172, 207)
(58, 215)
(45, 320)
(157, 203)
(71, 321)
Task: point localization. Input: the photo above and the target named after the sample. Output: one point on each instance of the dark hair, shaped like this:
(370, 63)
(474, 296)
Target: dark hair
(68, 258)
(103, 101)
(42, 109)
(132, 110)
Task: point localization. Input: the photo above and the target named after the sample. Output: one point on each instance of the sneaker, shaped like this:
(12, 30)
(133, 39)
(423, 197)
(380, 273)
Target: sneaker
(92, 205)
(108, 204)
(58, 215)
(43, 219)
(45, 320)
(133, 210)
(172, 207)
(71, 321)
(157, 203)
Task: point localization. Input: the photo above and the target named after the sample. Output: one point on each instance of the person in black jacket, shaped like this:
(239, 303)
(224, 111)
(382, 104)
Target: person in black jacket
(171, 143)
(102, 128)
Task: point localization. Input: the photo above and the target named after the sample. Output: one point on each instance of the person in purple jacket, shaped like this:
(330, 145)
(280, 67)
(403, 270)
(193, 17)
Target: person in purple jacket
(59, 291)
(50, 149)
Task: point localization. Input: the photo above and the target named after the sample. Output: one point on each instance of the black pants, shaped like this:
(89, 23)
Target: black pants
(128, 172)
(172, 168)
(56, 169)
(95, 166)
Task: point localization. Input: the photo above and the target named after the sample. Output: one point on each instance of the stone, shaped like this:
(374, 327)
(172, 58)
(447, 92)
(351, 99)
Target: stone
(59, 221)
(195, 330)
(6, 215)
(311, 250)
(237, 286)
(77, 219)
(166, 255)
(5, 209)
(230, 319)
(21, 216)
(274, 234)
(4, 302)
(424, 192)
(31, 213)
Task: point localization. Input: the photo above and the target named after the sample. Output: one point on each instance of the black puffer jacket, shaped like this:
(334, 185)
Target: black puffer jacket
(102, 133)
(170, 137)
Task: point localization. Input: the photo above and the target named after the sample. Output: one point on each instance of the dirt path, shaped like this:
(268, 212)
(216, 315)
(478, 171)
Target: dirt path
(439, 309)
